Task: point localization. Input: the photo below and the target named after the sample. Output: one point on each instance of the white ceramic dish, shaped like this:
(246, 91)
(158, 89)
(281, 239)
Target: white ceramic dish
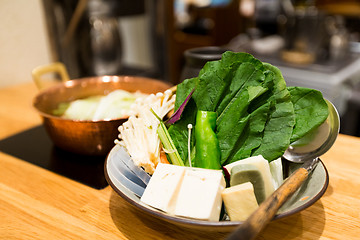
(121, 181)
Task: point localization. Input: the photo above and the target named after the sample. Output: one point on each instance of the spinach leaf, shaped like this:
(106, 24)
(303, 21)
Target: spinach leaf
(310, 110)
(183, 90)
(235, 116)
(246, 75)
(252, 134)
(280, 122)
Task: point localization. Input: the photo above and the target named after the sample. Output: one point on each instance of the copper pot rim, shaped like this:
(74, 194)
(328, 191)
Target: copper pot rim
(70, 83)
(49, 116)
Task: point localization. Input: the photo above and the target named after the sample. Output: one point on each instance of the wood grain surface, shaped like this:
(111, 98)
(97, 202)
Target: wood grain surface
(38, 204)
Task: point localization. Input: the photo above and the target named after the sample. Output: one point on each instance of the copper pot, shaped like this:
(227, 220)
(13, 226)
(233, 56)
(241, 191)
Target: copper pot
(87, 137)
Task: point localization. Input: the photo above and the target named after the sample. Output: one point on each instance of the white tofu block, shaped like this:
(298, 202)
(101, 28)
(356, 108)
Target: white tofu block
(263, 165)
(163, 187)
(200, 194)
(240, 201)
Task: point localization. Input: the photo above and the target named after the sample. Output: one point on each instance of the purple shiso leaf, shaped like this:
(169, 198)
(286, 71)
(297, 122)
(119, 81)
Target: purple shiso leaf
(227, 174)
(177, 114)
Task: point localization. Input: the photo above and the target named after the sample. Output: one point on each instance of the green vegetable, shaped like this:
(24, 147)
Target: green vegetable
(257, 113)
(167, 142)
(207, 148)
(116, 104)
(280, 120)
(179, 131)
(60, 110)
(310, 110)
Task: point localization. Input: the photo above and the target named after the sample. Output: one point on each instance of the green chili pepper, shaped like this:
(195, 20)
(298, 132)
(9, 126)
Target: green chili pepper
(207, 144)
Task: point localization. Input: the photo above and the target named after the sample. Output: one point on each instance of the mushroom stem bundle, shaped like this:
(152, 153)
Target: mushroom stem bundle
(139, 134)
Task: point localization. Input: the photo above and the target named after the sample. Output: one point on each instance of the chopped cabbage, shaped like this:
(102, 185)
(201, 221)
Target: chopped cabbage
(116, 104)
(82, 109)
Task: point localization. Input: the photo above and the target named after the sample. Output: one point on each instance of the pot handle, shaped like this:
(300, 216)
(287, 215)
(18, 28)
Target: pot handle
(56, 67)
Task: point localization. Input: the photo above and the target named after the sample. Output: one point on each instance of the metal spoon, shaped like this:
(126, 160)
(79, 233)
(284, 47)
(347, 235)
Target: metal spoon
(321, 142)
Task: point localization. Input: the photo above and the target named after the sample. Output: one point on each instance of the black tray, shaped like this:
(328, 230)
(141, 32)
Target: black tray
(34, 146)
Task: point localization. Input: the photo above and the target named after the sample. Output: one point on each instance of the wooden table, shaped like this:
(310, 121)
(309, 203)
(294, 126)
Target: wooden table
(38, 204)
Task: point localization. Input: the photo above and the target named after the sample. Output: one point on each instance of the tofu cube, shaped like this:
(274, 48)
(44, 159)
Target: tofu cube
(200, 194)
(240, 201)
(163, 187)
(185, 191)
(263, 165)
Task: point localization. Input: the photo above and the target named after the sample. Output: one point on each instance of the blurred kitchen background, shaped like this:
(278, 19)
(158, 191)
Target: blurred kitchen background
(316, 44)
